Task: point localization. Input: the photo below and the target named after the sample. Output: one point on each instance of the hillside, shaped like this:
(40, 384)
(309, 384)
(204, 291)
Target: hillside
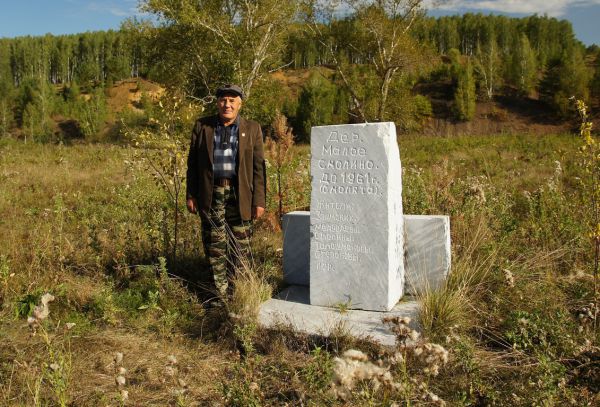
(505, 114)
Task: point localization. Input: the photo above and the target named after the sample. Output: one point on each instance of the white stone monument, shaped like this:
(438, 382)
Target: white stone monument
(356, 222)
(427, 251)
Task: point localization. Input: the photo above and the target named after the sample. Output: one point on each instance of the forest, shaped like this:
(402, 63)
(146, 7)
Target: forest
(476, 58)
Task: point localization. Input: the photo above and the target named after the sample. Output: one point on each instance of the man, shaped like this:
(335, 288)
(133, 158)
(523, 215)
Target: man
(226, 183)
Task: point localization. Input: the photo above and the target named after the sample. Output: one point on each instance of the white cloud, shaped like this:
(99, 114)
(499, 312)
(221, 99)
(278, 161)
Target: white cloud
(116, 8)
(555, 8)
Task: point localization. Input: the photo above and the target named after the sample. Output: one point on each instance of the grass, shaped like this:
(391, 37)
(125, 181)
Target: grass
(81, 223)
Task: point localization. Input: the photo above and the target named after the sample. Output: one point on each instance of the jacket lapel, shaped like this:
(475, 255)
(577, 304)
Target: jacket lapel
(209, 135)
(242, 140)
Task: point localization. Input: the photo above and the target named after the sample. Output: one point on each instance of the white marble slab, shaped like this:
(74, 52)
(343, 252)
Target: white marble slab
(427, 250)
(291, 309)
(356, 246)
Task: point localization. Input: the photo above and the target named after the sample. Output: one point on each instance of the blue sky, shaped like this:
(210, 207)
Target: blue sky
(38, 17)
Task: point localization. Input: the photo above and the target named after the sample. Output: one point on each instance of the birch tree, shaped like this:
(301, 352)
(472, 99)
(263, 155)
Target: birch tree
(201, 44)
(381, 39)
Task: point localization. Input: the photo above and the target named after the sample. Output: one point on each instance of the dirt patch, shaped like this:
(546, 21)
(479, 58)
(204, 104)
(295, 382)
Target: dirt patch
(128, 94)
(504, 114)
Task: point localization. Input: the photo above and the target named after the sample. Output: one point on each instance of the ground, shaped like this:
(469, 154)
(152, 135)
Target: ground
(87, 224)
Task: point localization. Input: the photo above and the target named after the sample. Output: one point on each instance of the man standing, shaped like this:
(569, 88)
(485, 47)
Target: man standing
(226, 183)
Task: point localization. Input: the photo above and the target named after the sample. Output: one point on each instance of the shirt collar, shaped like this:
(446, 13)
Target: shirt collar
(236, 122)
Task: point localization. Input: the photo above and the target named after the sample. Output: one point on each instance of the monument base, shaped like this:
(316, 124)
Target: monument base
(427, 250)
(291, 308)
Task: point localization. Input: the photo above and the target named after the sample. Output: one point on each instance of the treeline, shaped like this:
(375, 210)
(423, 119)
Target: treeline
(484, 53)
(478, 56)
(547, 36)
(103, 56)
(43, 76)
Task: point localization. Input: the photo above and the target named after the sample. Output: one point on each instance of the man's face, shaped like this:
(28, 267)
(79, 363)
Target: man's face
(229, 106)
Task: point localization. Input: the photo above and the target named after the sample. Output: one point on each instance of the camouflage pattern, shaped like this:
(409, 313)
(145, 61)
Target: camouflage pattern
(226, 238)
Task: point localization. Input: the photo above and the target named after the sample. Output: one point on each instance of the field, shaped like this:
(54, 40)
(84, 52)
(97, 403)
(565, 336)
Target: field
(86, 224)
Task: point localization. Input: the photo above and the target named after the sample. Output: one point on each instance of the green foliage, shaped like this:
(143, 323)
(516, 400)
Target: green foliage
(162, 150)
(71, 93)
(91, 113)
(241, 392)
(595, 84)
(25, 305)
(202, 45)
(377, 36)
(267, 98)
(36, 102)
(6, 106)
(590, 183)
(522, 69)
(85, 58)
(464, 95)
(316, 105)
(317, 373)
(565, 77)
(488, 67)
(536, 333)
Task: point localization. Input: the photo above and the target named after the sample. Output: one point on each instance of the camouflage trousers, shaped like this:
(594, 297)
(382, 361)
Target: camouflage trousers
(226, 238)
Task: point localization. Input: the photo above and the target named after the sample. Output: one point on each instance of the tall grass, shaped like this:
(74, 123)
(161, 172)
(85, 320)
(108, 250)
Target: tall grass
(82, 224)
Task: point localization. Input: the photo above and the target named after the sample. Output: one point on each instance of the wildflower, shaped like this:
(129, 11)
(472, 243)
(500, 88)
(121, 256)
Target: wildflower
(69, 325)
(586, 315)
(354, 354)
(396, 358)
(120, 380)
(435, 399)
(40, 312)
(433, 355)
(170, 371)
(400, 327)
(354, 367)
(118, 358)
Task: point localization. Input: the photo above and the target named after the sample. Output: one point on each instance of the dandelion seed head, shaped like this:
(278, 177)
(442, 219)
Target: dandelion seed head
(47, 298)
(118, 358)
(170, 371)
(354, 354)
(120, 380)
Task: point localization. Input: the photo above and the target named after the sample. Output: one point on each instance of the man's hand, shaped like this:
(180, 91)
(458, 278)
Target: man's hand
(192, 205)
(257, 212)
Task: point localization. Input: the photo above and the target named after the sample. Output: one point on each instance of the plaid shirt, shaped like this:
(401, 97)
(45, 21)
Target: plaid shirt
(225, 151)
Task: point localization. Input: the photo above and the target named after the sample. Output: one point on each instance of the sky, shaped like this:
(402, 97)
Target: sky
(38, 17)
